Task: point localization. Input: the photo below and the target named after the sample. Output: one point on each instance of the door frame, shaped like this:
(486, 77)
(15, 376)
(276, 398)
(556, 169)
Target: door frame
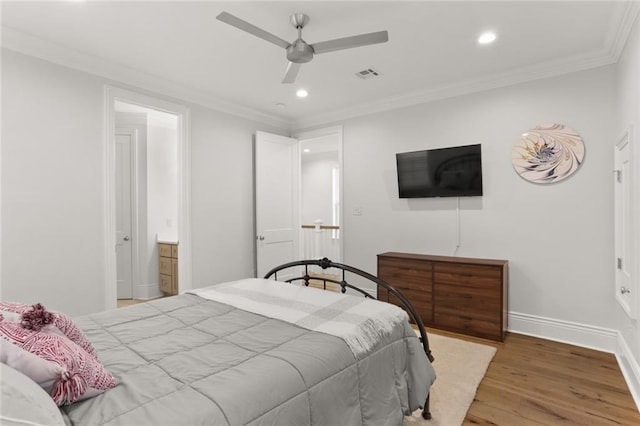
(112, 94)
(311, 134)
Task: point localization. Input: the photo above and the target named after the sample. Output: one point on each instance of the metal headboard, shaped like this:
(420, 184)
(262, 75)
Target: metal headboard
(327, 264)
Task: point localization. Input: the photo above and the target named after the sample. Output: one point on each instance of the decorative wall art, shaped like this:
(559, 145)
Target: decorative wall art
(548, 153)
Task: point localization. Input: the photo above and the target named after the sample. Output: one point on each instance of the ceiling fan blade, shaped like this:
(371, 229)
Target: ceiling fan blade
(291, 73)
(227, 18)
(349, 42)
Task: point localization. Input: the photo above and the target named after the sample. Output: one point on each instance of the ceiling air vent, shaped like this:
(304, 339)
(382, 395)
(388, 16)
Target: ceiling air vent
(368, 73)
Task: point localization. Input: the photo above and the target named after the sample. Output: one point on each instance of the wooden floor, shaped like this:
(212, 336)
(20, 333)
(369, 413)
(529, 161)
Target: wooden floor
(122, 303)
(533, 381)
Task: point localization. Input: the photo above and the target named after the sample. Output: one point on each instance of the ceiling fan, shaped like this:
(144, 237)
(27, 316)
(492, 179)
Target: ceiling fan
(299, 51)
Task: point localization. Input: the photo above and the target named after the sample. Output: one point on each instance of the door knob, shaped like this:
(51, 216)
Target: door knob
(624, 290)
(126, 238)
(261, 237)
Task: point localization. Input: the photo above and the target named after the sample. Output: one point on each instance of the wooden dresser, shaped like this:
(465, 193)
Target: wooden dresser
(168, 268)
(463, 295)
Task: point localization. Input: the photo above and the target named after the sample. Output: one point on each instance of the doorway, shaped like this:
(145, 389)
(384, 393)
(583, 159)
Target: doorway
(147, 193)
(281, 231)
(320, 195)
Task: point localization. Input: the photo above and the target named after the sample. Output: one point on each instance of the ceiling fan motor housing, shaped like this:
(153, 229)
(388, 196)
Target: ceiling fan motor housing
(299, 52)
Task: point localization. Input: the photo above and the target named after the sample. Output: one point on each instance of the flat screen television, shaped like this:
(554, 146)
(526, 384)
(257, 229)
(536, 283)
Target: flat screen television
(444, 172)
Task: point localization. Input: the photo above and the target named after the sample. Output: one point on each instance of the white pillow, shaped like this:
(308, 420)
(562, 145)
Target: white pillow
(23, 402)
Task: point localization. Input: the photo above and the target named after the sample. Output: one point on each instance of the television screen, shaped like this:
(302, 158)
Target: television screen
(444, 172)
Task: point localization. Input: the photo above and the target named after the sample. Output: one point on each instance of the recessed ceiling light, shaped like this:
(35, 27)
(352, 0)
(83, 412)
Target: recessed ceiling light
(301, 93)
(306, 150)
(487, 38)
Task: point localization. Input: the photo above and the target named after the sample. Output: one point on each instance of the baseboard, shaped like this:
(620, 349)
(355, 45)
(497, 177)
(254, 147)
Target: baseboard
(598, 338)
(147, 291)
(630, 368)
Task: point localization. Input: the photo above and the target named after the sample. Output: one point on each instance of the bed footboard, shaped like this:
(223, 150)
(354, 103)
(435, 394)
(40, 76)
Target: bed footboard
(325, 263)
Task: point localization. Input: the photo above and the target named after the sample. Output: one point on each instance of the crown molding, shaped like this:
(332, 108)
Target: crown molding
(624, 28)
(494, 81)
(61, 55)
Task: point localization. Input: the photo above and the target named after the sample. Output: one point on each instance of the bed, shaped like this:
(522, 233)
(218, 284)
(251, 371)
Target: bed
(261, 351)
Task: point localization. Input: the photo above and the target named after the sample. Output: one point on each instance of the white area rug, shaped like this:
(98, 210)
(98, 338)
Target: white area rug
(460, 367)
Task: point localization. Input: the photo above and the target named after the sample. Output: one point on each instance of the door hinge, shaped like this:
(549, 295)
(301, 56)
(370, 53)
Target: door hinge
(618, 175)
(619, 262)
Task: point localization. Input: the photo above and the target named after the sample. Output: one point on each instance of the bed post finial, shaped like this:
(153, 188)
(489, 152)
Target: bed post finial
(325, 263)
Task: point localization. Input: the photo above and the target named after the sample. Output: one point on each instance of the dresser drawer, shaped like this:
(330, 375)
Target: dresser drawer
(414, 296)
(421, 303)
(404, 267)
(166, 285)
(174, 251)
(164, 250)
(165, 266)
(405, 285)
(470, 275)
(469, 299)
(462, 312)
(414, 277)
(476, 325)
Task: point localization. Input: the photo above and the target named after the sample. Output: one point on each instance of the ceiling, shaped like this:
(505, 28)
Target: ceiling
(181, 50)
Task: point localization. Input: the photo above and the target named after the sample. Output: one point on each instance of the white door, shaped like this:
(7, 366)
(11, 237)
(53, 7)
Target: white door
(277, 201)
(626, 289)
(124, 166)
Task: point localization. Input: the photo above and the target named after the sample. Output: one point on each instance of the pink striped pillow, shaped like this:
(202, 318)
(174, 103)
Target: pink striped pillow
(35, 317)
(68, 372)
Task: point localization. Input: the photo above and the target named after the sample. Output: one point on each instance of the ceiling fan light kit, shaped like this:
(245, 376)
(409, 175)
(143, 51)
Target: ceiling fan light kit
(299, 51)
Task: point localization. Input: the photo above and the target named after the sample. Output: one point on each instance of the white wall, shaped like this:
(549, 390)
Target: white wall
(162, 191)
(223, 236)
(52, 223)
(628, 113)
(558, 238)
(53, 183)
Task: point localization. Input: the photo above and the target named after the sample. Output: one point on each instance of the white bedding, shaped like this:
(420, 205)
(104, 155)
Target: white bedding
(359, 321)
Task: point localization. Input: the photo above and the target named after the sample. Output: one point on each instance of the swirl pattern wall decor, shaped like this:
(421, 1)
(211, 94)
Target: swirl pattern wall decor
(548, 153)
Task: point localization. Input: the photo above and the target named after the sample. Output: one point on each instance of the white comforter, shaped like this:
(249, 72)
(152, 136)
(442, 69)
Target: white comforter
(359, 321)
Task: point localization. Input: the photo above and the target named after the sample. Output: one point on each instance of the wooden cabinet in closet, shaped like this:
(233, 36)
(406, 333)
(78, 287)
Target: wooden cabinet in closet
(168, 268)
